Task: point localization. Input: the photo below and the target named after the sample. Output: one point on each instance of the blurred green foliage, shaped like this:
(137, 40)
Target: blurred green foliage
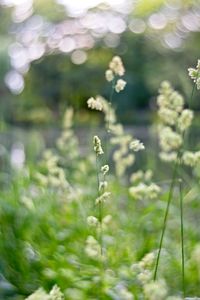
(54, 81)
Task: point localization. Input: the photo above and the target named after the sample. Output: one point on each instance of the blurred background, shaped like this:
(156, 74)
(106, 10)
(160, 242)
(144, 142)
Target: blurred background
(54, 53)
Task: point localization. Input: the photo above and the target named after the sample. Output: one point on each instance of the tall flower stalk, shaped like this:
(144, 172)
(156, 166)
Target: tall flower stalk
(99, 151)
(110, 104)
(124, 144)
(113, 73)
(174, 122)
(95, 248)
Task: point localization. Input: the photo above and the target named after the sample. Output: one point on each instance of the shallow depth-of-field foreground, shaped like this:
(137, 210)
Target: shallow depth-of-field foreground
(103, 224)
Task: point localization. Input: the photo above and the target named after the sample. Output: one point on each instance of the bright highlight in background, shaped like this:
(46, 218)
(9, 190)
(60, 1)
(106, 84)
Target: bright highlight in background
(80, 7)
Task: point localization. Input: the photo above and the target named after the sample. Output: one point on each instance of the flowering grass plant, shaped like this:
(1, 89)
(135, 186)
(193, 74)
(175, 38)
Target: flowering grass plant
(102, 225)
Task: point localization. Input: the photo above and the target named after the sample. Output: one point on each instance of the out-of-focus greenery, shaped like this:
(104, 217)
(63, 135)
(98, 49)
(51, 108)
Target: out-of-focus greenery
(54, 80)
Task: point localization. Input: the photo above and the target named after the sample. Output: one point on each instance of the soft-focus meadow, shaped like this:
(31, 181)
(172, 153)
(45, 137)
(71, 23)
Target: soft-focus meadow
(99, 150)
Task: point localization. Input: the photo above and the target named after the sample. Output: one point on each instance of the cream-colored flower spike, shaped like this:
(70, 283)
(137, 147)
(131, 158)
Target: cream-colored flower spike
(195, 74)
(136, 146)
(174, 121)
(116, 68)
(105, 169)
(95, 103)
(185, 119)
(109, 75)
(120, 85)
(97, 145)
(116, 65)
(92, 221)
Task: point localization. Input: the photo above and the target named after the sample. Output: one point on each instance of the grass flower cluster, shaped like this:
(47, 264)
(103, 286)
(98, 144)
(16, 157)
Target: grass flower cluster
(194, 73)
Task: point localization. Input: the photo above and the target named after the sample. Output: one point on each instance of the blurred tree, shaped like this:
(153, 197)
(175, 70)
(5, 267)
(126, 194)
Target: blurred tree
(160, 41)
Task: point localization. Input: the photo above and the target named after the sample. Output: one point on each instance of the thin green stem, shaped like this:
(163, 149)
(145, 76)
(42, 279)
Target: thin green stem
(185, 137)
(100, 208)
(109, 119)
(110, 104)
(166, 216)
(97, 174)
(182, 237)
(100, 226)
(192, 93)
(99, 204)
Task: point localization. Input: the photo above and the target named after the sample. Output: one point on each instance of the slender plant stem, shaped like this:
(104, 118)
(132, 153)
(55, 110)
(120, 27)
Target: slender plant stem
(100, 208)
(182, 237)
(110, 104)
(166, 216)
(97, 174)
(109, 119)
(192, 94)
(100, 228)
